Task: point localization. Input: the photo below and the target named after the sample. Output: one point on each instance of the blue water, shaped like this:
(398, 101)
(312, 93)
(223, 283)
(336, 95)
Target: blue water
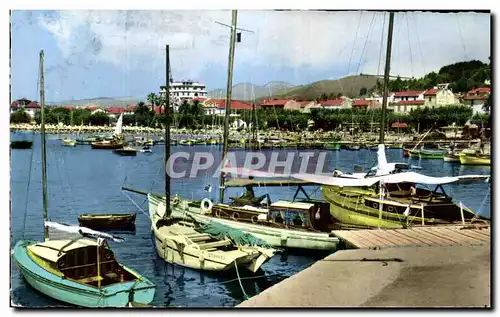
(82, 180)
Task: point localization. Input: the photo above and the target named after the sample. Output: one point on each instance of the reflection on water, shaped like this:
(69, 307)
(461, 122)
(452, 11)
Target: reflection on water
(81, 180)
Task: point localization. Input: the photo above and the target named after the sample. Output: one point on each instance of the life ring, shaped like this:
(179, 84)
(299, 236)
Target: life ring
(176, 201)
(217, 213)
(390, 209)
(235, 215)
(206, 205)
(375, 205)
(255, 219)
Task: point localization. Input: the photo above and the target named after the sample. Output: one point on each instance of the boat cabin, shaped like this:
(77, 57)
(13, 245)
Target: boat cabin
(79, 260)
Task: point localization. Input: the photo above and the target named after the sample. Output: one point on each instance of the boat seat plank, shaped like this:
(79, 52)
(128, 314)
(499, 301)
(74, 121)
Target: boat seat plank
(215, 244)
(201, 238)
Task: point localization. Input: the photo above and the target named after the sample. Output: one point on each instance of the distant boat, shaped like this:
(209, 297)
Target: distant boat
(69, 142)
(430, 154)
(23, 144)
(467, 159)
(108, 221)
(146, 149)
(126, 151)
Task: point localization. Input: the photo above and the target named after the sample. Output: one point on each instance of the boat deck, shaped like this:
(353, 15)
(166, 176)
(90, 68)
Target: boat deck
(416, 237)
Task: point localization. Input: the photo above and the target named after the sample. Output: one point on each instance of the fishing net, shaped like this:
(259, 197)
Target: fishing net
(237, 236)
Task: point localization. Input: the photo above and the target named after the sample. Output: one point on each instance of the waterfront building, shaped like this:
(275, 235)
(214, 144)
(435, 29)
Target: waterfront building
(476, 98)
(440, 95)
(185, 90)
(30, 107)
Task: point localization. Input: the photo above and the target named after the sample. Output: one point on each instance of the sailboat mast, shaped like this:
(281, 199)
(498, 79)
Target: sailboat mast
(386, 76)
(44, 152)
(167, 132)
(228, 100)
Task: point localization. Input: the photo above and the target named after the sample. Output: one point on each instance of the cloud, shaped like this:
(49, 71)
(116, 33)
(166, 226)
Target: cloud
(302, 40)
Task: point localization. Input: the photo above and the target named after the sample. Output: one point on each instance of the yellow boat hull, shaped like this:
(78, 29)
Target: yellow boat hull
(474, 160)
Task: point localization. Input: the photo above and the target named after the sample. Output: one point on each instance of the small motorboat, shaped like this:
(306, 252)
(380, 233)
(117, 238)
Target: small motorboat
(146, 149)
(126, 151)
(108, 221)
(107, 145)
(23, 144)
(69, 142)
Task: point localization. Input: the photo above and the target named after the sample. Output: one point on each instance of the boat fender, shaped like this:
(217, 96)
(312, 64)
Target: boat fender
(206, 206)
(235, 216)
(375, 205)
(390, 208)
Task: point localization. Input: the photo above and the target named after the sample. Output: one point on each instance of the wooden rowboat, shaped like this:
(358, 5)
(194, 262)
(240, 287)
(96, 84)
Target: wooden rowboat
(108, 221)
(107, 145)
(126, 151)
(21, 144)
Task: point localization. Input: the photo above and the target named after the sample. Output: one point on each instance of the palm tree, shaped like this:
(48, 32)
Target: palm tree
(153, 98)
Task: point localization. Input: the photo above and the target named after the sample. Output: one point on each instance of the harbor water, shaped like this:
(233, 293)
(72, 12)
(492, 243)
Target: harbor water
(82, 180)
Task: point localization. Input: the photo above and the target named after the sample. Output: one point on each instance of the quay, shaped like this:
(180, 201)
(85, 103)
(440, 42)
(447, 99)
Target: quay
(440, 272)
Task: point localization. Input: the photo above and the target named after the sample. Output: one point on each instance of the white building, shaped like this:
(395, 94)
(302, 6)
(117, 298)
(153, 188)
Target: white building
(439, 96)
(186, 90)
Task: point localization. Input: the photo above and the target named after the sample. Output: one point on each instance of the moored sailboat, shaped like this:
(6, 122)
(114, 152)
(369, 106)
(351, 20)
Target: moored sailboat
(81, 271)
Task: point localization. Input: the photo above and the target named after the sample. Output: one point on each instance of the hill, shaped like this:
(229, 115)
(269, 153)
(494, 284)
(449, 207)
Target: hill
(348, 86)
(99, 101)
(248, 91)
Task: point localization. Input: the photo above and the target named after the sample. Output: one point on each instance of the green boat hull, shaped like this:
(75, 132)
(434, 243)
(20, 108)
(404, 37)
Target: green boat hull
(430, 156)
(333, 146)
(68, 291)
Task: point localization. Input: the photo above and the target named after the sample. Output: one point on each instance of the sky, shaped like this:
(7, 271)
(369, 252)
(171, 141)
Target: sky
(107, 53)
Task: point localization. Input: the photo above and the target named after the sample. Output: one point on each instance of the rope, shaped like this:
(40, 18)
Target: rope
(419, 45)
(239, 280)
(354, 43)
(409, 44)
(133, 202)
(27, 192)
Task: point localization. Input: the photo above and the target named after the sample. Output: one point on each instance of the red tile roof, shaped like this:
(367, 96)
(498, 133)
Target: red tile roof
(410, 102)
(430, 92)
(235, 104)
(480, 90)
(131, 108)
(92, 108)
(33, 105)
(407, 93)
(361, 103)
(399, 125)
(115, 110)
(475, 97)
(332, 102)
(199, 99)
(276, 102)
(69, 107)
